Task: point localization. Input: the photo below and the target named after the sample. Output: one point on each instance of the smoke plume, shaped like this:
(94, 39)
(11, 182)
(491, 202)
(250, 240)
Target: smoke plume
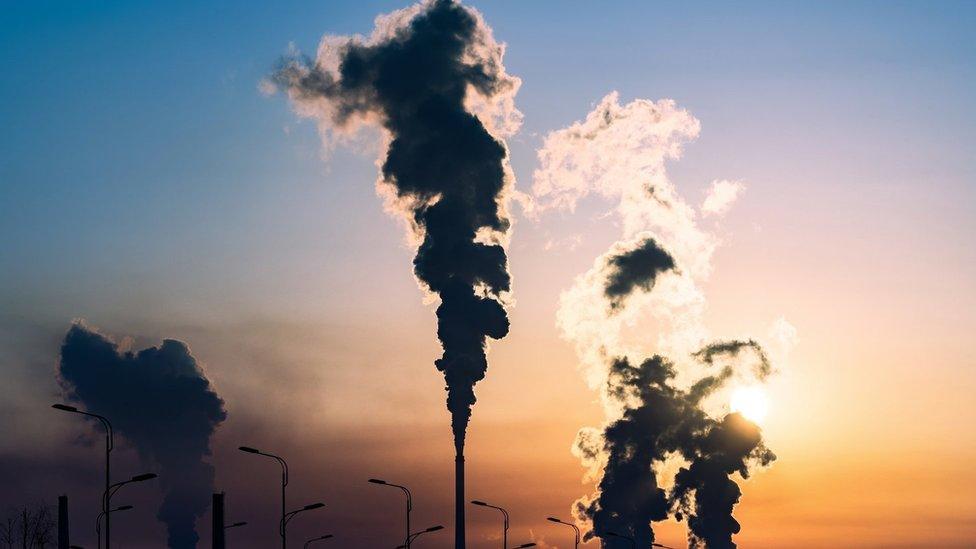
(162, 403)
(431, 76)
(635, 269)
(659, 409)
(723, 448)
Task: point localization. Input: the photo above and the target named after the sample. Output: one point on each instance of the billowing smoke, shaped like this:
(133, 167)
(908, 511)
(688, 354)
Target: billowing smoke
(162, 403)
(661, 409)
(704, 490)
(660, 421)
(432, 77)
(636, 268)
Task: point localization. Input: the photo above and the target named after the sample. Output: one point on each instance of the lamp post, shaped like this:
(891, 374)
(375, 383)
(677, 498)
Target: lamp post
(112, 489)
(309, 542)
(98, 520)
(504, 513)
(413, 537)
(290, 515)
(633, 542)
(409, 503)
(574, 527)
(109, 444)
(284, 483)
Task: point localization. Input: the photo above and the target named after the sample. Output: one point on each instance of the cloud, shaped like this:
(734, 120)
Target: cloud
(721, 195)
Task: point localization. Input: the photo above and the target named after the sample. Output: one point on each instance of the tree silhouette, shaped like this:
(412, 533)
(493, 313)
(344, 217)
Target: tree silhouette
(28, 527)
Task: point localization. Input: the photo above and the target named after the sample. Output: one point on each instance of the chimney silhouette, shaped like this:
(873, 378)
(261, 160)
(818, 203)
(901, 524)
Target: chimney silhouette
(63, 542)
(218, 521)
(459, 500)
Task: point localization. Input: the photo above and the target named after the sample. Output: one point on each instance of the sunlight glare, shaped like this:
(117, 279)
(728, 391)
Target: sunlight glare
(751, 402)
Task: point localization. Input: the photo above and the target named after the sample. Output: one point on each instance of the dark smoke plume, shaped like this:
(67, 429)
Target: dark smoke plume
(162, 403)
(732, 349)
(635, 269)
(619, 152)
(660, 421)
(724, 448)
(446, 170)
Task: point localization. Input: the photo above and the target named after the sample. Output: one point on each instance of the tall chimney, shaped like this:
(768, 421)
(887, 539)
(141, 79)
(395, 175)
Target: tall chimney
(63, 542)
(217, 533)
(459, 501)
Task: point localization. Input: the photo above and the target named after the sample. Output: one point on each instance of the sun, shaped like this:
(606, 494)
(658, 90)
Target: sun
(751, 402)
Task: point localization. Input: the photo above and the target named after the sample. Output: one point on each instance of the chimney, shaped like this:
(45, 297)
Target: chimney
(459, 501)
(63, 542)
(218, 521)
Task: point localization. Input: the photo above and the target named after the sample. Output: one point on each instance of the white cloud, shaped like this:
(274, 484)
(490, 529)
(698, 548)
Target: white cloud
(720, 196)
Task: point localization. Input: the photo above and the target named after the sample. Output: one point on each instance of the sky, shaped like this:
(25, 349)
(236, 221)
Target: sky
(150, 188)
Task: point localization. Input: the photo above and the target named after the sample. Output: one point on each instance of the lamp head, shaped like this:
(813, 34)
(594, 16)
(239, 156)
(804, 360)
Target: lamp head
(142, 477)
(123, 508)
(327, 536)
(479, 502)
(311, 506)
(434, 528)
(553, 519)
(64, 407)
(249, 450)
(524, 545)
(377, 481)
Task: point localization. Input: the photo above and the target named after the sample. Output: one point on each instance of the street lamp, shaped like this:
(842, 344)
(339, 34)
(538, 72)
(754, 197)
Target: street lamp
(633, 542)
(504, 513)
(109, 444)
(309, 542)
(284, 483)
(409, 502)
(283, 527)
(413, 537)
(98, 520)
(574, 527)
(524, 545)
(112, 489)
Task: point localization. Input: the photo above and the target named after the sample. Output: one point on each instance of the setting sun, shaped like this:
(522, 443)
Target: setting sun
(751, 402)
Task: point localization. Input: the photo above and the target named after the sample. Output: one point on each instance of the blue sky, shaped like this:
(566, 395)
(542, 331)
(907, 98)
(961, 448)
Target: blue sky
(136, 145)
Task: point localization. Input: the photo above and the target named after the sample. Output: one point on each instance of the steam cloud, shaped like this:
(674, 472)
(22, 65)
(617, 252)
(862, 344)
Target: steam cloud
(659, 409)
(432, 77)
(159, 400)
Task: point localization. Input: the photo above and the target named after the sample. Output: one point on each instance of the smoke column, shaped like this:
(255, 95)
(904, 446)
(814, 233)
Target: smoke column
(162, 403)
(657, 403)
(431, 76)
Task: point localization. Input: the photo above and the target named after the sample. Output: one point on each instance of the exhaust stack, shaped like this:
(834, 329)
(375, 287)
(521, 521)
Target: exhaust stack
(459, 501)
(217, 512)
(63, 542)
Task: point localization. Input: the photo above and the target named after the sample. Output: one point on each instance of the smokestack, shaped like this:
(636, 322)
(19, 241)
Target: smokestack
(63, 542)
(218, 520)
(459, 501)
